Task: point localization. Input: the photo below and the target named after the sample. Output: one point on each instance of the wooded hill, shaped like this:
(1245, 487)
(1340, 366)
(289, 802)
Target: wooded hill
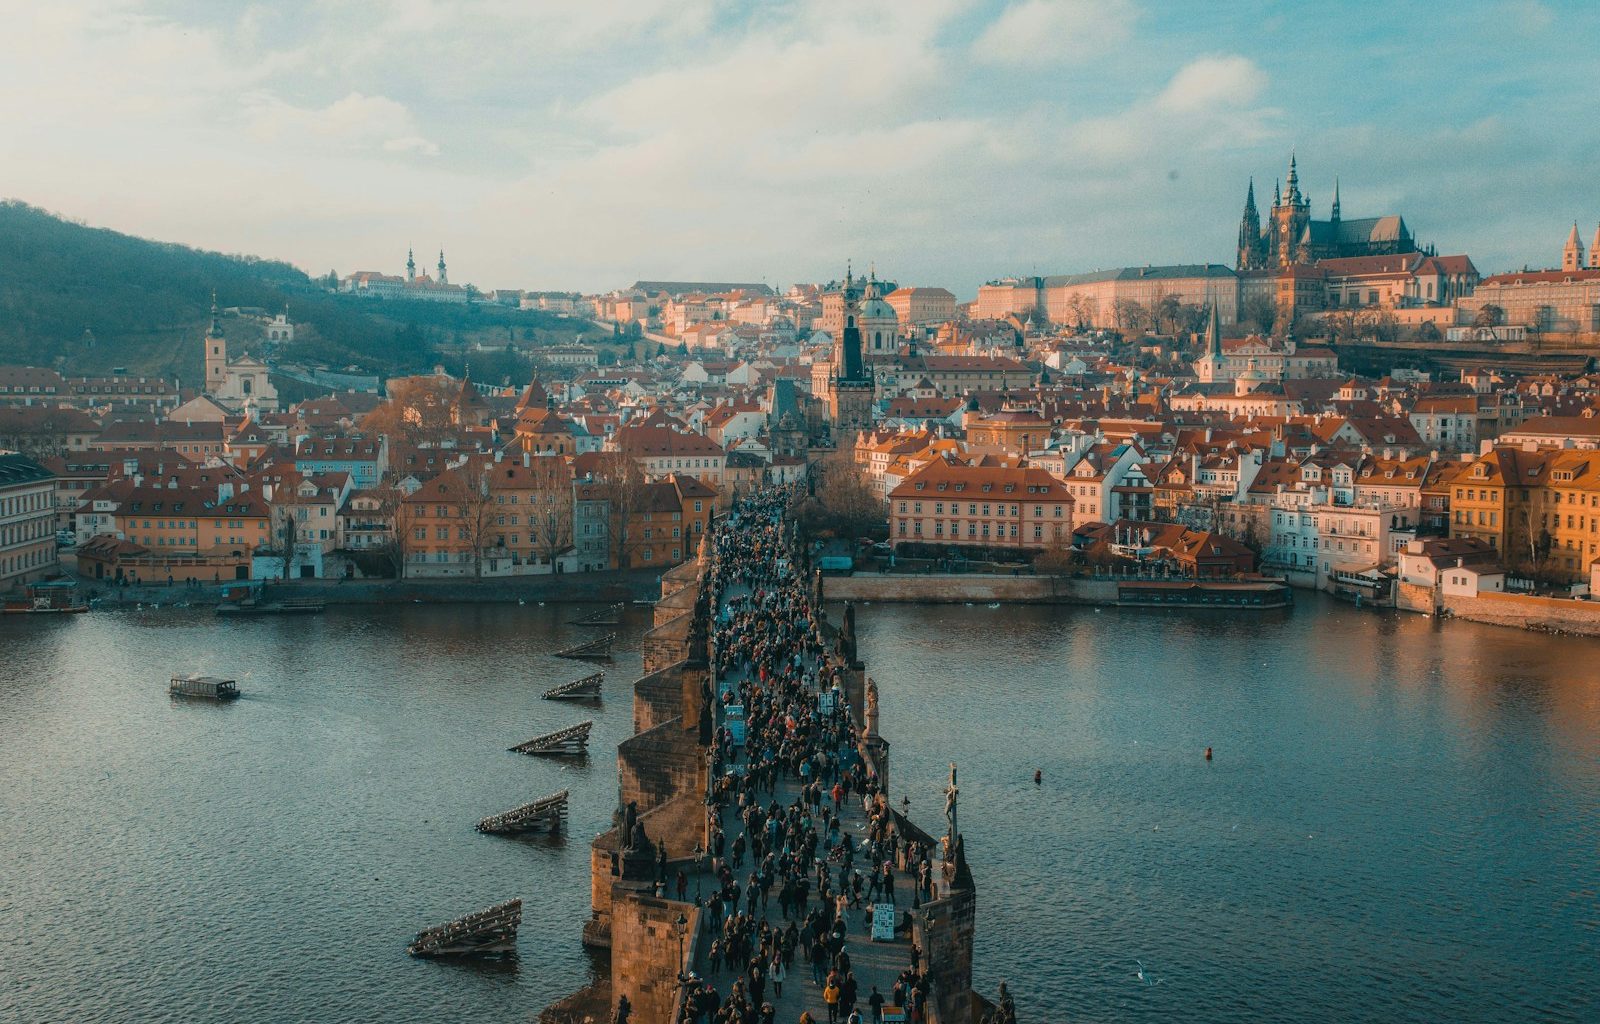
(145, 304)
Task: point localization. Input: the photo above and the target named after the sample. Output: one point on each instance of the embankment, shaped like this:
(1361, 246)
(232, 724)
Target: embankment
(962, 588)
(1545, 614)
(615, 585)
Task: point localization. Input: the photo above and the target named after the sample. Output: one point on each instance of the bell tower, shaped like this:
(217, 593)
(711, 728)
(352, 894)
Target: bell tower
(216, 353)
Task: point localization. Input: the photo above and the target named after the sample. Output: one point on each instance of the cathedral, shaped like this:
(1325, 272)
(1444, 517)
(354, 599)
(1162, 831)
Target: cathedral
(1289, 236)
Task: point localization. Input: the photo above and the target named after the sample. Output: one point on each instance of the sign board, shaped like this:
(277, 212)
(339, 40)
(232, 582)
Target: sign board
(894, 1015)
(883, 924)
(826, 702)
(734, 713)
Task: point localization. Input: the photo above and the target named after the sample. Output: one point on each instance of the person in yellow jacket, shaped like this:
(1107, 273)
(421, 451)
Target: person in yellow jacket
(830, 995)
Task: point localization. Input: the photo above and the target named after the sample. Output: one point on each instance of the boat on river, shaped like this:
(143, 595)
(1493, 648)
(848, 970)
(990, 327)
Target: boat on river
(209, 687)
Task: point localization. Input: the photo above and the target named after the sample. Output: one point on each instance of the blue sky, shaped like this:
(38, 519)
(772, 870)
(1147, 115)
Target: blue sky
(586, 144)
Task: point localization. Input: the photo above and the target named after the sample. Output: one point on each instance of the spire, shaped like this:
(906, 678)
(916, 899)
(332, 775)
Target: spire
(1294, 180)
(1213, 329)
(849, 274)
(1335, 217)
(411, 264)
(1249, 231)
(215, 331)
(1277, 197)
(1594, 251)
(443, 277)
(1572, 255)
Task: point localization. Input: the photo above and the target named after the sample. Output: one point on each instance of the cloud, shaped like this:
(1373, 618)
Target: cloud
(356, 121)
(1209, 83)
(1041, 31)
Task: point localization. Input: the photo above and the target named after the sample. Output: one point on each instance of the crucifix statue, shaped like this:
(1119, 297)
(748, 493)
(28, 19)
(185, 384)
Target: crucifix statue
(950, 793)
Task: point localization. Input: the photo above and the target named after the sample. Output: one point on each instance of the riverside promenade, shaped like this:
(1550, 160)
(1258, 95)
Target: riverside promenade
(754, 833)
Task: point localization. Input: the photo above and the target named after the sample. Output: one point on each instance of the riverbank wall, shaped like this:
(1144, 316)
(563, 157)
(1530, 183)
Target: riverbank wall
(1525, 611)
(962, 588)
(609, 586)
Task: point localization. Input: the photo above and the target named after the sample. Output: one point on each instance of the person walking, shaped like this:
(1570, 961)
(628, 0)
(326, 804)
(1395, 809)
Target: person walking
(830, 995)
(776, 974)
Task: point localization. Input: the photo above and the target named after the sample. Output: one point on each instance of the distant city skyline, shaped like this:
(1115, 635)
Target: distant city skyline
(581, 147)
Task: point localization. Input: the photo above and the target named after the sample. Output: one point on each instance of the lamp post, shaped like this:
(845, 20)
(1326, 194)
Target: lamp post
(683, 930)
(699, 869)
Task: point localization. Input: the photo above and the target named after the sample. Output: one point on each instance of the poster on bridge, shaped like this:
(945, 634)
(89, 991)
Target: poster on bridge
(883, 922)
(734, 713)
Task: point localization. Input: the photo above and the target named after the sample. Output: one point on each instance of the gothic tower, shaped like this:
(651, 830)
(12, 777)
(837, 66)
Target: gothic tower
(1334, 217)
(853, 385)
(216, 353)
(1594, 251)
(1572, 255)
(1250, 256)
(1291, 215)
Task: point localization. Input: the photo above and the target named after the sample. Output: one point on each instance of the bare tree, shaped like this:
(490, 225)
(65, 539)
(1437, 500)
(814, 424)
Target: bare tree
(419, 410)
(472, 500)
(1489, 315)
(402, 517)
(550, 518)
(623, 484)
(844, 502)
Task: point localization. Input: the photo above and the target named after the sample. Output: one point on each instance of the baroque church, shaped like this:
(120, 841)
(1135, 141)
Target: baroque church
(1289, 237)
(238, 385)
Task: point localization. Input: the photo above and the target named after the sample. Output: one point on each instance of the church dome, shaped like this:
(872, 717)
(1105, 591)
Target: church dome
(876, 309)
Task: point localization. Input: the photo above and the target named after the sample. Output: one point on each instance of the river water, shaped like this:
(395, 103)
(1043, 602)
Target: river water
(1401, 821)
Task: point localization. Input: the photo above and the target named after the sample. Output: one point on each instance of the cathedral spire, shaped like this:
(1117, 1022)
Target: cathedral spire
(1335, 217)
(411, 264)
(1294, 180)
(443, 277)
(1277, 196)
(1249, 231)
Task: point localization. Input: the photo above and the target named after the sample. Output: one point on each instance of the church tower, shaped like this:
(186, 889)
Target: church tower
(879, 324)
(411, 265)
(1334, 217)
(1250, 256)
(216, 353)
(1211, 367)
(850, 398)
(1291, 216)
(1572, 255)
(1594, 251)
(443, 277)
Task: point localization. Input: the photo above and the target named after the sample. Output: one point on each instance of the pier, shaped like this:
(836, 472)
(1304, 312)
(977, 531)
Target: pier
(754, 821)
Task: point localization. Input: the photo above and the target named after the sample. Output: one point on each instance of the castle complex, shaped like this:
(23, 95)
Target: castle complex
(1290, 237)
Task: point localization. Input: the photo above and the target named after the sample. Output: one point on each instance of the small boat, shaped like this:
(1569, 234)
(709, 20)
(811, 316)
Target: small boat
(598, 649)
(203, 686)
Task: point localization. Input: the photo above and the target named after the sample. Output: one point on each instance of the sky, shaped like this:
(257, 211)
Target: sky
(584, 144)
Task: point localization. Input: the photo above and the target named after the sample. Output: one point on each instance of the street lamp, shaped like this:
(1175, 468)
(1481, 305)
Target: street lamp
(699, 869)
(683, 929)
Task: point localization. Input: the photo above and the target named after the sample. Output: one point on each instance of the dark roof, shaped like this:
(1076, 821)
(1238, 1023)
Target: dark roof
(1361, 231)
(686, 287)
(19, 469)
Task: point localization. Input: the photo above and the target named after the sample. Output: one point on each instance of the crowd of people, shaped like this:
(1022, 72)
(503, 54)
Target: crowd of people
(787, 769)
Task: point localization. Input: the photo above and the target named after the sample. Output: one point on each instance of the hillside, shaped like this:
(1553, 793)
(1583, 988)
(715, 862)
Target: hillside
(145, 304)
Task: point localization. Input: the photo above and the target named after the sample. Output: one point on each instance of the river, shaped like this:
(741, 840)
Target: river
(1400, 821)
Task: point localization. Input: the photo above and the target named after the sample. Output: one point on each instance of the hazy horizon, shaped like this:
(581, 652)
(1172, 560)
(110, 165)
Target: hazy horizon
(582, 147)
